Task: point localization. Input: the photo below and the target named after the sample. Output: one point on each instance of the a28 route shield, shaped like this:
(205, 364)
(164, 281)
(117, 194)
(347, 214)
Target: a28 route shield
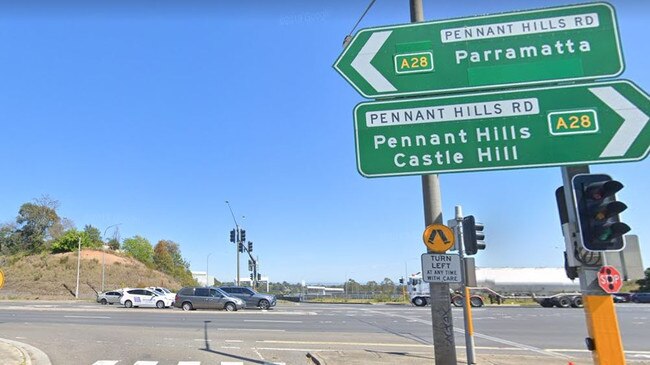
(538, 127)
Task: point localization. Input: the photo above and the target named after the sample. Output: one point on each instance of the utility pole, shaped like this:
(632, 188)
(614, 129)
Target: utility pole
(444, 343)
(207, 268)
(237, 238)
(76, 292)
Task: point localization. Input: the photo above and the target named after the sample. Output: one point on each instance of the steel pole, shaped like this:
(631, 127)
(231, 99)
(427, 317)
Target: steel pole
(76, 292)
(444, 344)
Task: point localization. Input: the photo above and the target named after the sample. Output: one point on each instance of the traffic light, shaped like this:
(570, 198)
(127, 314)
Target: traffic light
(242, 235)
(473, 235)
(597, 209)
(252, 276)
(250, 265)
(259, 277)
(240, 247)
(250, 246)
(233, 237)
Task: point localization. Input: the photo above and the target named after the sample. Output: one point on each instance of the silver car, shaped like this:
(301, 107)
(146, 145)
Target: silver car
(109, 297)
(252, 298)
(190, 298)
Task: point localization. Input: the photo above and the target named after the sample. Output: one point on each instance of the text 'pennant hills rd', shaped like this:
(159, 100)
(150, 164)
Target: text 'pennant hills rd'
(537, 127)
(570, 43)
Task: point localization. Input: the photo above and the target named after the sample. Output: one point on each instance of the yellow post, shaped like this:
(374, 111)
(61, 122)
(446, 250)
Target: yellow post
(470, 324)
(602, 326)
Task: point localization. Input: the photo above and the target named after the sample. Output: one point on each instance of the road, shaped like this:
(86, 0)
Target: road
(88, 333)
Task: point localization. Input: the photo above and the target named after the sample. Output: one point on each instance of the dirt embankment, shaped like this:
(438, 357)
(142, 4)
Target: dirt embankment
(54, 276)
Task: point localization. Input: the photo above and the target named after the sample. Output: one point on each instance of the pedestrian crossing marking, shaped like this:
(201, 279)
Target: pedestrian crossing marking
(114, 362)
(145, 363)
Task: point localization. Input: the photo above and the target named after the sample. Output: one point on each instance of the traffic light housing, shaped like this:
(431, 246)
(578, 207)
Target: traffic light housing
(259, 277)
(473, 235)
(252, 276)
(597, 210)
(233, 236)
(250, 265)
(242, 235)
(240, 247)
(250, 246)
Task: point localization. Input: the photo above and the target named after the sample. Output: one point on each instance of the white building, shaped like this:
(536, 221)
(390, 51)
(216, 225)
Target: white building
(202, 278)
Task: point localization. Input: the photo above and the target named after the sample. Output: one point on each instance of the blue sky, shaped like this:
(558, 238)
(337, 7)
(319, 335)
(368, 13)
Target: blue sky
(153, 114)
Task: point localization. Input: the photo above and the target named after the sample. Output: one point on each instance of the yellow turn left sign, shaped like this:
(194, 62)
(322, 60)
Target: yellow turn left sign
(438, 238)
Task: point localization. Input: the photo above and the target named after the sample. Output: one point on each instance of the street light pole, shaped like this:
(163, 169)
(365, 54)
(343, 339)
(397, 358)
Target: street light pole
(237, 238)
(104, 254)
(207, 272)
(76, 291)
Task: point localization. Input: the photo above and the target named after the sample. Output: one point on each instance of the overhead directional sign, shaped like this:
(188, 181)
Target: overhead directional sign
(546, 126)
(575, 42)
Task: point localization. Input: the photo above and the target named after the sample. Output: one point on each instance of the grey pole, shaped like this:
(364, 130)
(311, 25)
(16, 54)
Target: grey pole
(76, 292)
(207, 270)
(237, 238)
(444, 344)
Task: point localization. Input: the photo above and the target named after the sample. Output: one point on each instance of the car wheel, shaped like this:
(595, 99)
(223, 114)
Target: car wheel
(457, 301)
(546, 303)
(264, 304)
(564, 302)
(160, 304)
(419, 301)
(230, 307)
(104, 301)
(576, 302)
(476, 302)
(187, 306)
(128, 304)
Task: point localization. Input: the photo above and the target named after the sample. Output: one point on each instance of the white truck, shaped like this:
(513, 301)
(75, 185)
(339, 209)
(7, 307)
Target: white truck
(418, 291)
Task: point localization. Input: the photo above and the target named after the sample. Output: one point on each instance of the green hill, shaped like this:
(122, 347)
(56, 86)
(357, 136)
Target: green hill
(54, 276)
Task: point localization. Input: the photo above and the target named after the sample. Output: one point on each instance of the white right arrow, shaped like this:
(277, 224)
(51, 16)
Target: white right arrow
(633, 121)
(361, 62)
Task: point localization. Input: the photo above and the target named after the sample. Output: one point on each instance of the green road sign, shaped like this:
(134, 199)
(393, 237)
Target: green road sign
(545, 126)
(576, 42)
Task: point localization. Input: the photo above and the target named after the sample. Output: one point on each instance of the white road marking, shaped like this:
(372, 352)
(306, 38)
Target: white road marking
(106, 362)
(189, 363)
(231, 347)
(234, 341)
(270, 321)
(89, 317)
(250, 329)
(145, 363)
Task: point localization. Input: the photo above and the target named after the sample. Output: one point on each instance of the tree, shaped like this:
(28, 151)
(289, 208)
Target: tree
(387, 286)
(140, 248)
(94, 236)
(114, 244)
(644, 284)
(70, 241)
(9, 240)
(33, 221)
(162, 258)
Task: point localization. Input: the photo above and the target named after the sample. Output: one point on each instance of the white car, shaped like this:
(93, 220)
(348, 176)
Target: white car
(144, 298)
(163, 291)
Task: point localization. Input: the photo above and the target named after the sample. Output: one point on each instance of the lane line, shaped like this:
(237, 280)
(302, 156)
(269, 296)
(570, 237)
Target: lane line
(189, 363)
(344, 343)
(145, 363)
(250, 329)
(88, 317)
(106, 362)
(270, 321)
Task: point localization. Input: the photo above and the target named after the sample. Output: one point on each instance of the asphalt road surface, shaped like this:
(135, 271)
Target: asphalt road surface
(88, 333)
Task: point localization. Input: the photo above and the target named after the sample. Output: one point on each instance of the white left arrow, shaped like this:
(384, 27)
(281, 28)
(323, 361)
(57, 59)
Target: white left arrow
(633, 121)
(361, 62)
